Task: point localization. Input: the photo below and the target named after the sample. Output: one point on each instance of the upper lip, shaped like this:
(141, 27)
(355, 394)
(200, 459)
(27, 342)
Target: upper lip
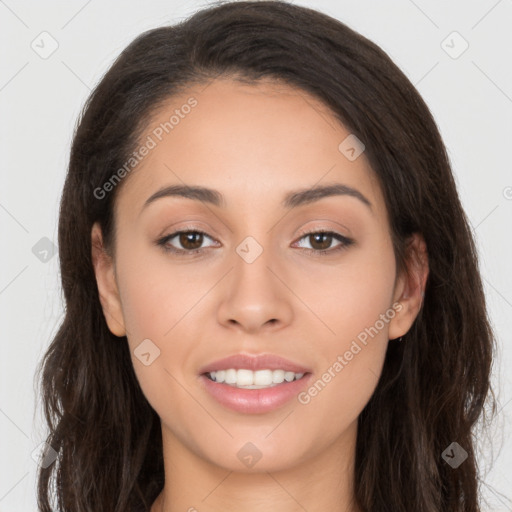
(254, 362)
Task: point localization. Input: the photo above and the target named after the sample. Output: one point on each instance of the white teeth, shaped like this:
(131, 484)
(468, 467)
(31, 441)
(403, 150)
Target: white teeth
(230, 376)
(254, 380)
(244, 378)
(278, 376)
(289, 376)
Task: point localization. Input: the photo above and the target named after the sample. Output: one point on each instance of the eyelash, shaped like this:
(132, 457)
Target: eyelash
(345, 242)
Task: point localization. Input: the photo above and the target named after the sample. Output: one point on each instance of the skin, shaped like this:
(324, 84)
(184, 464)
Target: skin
(255, 143)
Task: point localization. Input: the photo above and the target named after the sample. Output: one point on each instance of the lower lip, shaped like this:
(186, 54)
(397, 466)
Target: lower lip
(254, 401)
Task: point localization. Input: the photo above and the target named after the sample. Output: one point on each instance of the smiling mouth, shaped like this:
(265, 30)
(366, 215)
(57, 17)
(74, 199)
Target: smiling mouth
(248, 379)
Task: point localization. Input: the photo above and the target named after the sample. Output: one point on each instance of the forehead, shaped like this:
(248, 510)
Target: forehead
(252, 142)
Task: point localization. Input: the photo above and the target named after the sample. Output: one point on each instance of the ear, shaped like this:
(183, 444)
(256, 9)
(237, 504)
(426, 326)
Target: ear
(107, 285)
(410, 287)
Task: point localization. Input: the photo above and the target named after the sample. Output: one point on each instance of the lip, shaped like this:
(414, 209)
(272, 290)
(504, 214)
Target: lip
(254, 363)
(254, 401)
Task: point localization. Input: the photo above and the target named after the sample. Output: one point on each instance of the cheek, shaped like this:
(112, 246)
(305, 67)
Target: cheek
(349, 295)
(353, 300)
(155, 302)
(155, 294)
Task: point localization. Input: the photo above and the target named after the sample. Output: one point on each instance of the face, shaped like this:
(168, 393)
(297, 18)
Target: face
(254, 276)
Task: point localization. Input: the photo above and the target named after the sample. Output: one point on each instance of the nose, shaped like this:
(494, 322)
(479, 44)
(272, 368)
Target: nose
(255, 295)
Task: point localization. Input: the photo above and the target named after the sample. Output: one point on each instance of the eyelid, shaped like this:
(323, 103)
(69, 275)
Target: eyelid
(324, 228)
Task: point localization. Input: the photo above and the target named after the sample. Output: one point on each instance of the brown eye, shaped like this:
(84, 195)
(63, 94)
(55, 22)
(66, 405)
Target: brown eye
(185, 242)
(191, 240)
(320, 241)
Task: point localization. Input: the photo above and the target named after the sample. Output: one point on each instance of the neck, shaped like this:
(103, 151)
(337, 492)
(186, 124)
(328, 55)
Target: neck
(323, 482)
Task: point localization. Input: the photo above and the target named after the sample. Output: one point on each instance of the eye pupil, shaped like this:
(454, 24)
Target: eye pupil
(324, 245)
(187, 237)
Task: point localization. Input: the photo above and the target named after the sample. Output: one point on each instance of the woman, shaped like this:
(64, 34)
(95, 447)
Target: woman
(272, 291)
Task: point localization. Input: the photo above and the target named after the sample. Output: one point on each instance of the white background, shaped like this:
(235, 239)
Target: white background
(469, 96)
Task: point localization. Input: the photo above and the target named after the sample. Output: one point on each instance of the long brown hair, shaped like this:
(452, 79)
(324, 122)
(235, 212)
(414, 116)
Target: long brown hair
(435, 383)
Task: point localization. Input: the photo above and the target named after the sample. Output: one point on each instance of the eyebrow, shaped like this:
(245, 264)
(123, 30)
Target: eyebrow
(291, 200)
